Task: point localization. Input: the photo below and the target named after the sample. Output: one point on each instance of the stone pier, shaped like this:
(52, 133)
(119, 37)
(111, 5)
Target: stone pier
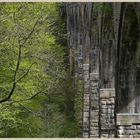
(107, 119)
(105, 63)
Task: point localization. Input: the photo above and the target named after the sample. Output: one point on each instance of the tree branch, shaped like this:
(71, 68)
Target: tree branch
(31, 32)
(27, 108)
(30, 98)
(26, 73)
(14, 77)
(18, 63)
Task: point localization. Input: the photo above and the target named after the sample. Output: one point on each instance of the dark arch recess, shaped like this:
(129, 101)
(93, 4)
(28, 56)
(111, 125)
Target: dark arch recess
(128, 90)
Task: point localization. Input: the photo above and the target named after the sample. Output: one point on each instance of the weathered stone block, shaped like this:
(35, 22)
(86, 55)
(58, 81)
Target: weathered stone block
(109, 102)
(94, 76)
(136, 136)
(86, 78)
(95, 91)
(94, 96)
(104, 106)
(107, 93)
(104, 94)
(86, 96)
(128, 127)
(120, 127)
(120, 132)
(86, 120)
(128, 119)
(94, 128)
(103, 116)
(106, 126)
(86, 114)
(95, 113)
(94, 84)
(125, 136)
(103, 102)
(128, 132)
(137, 127)
(86, 124)
(112, 100)
(105, 135)
(136, 132)
(94, 132)
(94, 135)
(86, 90)
(85, 67)
(94, 123)
(85, 134)
(112, 112)
(95, 103)
(103, 110)
(109, 111)
(86, 108)
(86, 102)
(133, 127)
(111, 121)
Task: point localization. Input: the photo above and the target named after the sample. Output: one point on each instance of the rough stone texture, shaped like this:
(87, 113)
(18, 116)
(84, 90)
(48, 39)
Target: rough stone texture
(94, 104)
(80, 61)
(128, 131)
(107, 120)
(128, 118)
(102, 46)
(86, 107)
(128, 125)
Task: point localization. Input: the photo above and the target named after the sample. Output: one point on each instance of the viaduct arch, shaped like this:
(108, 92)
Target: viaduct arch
(104, 53)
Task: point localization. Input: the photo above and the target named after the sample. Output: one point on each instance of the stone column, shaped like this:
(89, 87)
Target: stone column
(94, 105)
(107, 102)
(86, 101)
(86, 37)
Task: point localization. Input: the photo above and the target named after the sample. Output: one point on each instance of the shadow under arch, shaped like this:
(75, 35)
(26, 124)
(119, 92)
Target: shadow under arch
(129, 74)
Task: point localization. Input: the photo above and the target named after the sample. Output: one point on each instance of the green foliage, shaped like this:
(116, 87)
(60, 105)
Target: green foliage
(70, 129)
(34, 26)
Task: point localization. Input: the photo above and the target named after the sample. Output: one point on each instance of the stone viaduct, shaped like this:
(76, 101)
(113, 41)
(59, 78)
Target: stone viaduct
(104, 55)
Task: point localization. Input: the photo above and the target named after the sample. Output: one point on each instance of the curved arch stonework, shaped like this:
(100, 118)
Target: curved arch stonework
(101, 45)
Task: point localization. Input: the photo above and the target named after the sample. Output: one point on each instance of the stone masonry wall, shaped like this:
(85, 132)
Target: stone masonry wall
(95, 45)
(86, 101)
(107, 112)
(128, 125)
(94, 105)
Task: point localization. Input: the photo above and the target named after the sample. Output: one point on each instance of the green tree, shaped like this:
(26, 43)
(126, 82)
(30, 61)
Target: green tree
(31, 65)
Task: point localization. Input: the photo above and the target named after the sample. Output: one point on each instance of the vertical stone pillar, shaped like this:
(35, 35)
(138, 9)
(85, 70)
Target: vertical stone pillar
(80, 62)
(86, 37)
(79, 94)
(94, 78)
(86, 101)
(107, 120)
(94, 105)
